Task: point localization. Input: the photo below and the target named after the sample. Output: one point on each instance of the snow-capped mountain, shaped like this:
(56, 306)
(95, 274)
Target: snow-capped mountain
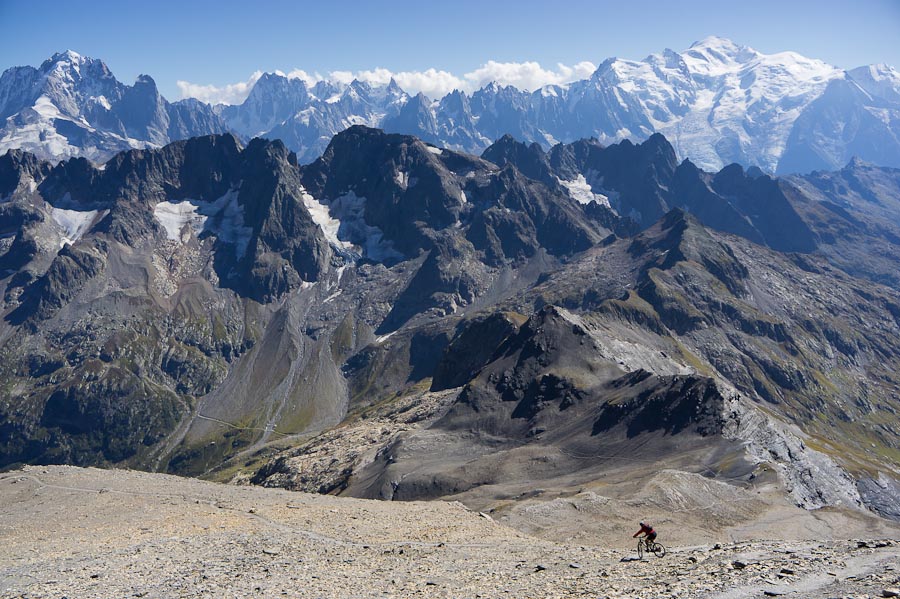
(72, 106)
(717, 102)
(305, 116)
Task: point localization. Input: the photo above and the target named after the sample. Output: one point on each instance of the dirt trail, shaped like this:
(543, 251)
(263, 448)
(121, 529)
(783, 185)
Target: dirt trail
(90, 533)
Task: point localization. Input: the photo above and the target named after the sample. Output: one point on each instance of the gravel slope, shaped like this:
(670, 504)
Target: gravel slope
(70, 532)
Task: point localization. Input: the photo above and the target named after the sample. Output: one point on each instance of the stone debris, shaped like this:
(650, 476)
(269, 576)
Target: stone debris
(63, 539)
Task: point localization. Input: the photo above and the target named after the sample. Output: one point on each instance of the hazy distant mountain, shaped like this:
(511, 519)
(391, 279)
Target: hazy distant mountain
(72, 105)
(717, 102)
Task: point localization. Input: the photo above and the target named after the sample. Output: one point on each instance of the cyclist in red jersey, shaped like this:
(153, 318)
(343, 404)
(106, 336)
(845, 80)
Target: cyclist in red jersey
(647, 531)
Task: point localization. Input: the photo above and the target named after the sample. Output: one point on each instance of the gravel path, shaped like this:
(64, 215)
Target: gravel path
(70, 532)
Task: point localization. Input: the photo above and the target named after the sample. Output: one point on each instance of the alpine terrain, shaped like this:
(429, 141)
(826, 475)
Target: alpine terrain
(530, 332)
(717, 102)
(72, 105)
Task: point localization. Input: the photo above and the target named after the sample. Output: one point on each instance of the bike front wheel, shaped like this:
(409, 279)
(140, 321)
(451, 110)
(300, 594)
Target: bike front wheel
(641, 549)
(658, 550)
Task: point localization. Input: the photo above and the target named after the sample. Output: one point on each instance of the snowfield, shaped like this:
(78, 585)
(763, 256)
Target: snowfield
(223, 218)
(74, 223)
(343, 223)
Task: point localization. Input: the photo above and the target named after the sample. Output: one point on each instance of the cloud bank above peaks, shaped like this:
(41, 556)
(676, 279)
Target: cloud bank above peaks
(434, 83)
(233, 93)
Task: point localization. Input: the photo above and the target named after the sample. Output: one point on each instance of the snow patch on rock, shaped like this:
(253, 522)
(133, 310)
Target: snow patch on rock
(342, 220)
(223, 218)
(74, 223)
(582, 192)
(175, 216)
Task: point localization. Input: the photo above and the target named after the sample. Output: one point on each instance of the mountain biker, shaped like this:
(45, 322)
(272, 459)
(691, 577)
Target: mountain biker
(647, 531)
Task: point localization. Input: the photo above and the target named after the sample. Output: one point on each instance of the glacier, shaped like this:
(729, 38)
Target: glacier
(718, 102)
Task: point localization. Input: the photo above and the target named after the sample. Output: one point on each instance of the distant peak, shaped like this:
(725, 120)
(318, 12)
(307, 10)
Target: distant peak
(857, 163)
(68, 55)
(715, 41)
(879, 72)
(145, 80)
(715, 56)
(68, 61)
(721, 49)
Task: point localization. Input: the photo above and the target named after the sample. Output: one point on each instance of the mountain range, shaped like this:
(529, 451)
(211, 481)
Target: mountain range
(401, 320)
(716, 102)
(72, 105)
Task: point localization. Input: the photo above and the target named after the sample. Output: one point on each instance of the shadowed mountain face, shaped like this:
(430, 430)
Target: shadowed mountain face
(444, 324)
(197, 273)
(850, 216)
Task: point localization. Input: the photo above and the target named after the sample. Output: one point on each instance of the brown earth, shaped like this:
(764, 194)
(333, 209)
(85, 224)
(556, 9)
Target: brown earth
(70, 532)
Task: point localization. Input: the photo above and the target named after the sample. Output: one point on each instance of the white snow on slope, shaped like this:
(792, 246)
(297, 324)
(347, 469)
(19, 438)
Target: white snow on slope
(174, 216)
(74, 223)
(322, 217)
(223, 218)
(35, 129)
(581, 191)
(382, 338)
(343, 223)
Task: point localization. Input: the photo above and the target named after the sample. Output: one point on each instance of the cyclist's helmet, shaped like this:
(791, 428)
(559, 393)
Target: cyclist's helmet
(642, 524)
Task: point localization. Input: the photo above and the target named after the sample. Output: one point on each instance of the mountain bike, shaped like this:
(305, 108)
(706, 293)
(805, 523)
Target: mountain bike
(650, 547)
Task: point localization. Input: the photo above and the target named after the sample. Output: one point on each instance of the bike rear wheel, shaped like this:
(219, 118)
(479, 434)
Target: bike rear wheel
(658, 550)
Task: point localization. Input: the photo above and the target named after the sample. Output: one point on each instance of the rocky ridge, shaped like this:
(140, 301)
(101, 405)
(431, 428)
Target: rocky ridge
(403, 321)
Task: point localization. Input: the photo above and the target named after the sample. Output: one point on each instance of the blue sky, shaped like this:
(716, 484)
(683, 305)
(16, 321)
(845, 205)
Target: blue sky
(224, 42)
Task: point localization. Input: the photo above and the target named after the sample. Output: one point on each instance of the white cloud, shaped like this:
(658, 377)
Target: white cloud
(527, 75)
(301, 74)
(432, 82)
(234, 93)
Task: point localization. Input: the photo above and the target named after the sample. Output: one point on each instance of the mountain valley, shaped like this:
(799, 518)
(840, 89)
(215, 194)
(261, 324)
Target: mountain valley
(402, 321)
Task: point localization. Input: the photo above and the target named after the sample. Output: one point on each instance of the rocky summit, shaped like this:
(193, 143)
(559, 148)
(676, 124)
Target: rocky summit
(72, 105)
